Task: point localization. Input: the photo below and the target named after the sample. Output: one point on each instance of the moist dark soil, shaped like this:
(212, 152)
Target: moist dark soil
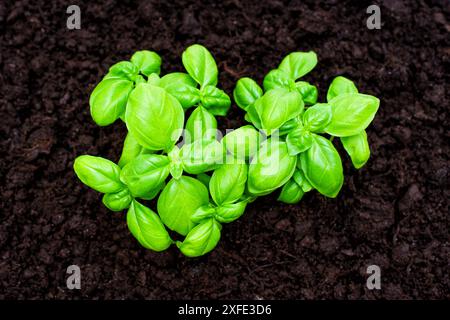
(393, 213)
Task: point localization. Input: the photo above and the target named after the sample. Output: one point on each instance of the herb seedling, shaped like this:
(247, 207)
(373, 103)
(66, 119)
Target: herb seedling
(202, 182)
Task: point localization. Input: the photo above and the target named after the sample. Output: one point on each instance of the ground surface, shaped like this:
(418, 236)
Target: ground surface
(393, 213)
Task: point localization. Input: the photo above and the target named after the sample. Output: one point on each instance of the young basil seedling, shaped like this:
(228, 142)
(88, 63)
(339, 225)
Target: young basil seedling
(286, 146)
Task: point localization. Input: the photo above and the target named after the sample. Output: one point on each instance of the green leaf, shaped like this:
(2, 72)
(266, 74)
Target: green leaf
(308, 92)
(271, 167)
(117, 201)
(145, 175)
(340, 85)
(153, 79)
(154, 117)
(290, 125)
(300, 179)
(201, 156)
(322, 167)
(178, 202)
(230, 212)
(252, 113)
(352, 113)
(108, 100)
(147, 228)
(227, 183)
(246, 92)
(297, 64)
(215, 100)
(291, 193)
(182, 87)
(278, 79)
(277, 107)
(357, 148)
(203, 212)
(298, 140)
(147, 62)
(317, 117)
(131, 149)
(98, 173)
(123, 70)
(200, 65)
(243, 142)
(200, 125)
(202, 239)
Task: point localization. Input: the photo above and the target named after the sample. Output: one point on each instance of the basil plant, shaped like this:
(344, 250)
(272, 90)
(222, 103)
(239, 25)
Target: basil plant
(172, 153)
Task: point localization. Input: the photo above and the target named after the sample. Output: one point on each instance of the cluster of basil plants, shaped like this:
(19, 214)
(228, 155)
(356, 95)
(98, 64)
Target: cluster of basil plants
(202, 179)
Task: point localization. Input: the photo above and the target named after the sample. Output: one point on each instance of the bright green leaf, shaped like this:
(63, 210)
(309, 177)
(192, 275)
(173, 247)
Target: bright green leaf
(278, 79)
(178, 202)
(147, 228)
(322, 167)
(98, 173)
(145, 175)
(182, 87)
(200, 125)
(108, 100)
(230, 212)
(154, 117)
(227, 183)
(202, 239)
(291, 192)
(117, 201)
(317, 117)
(340, 85)
(246, 92)
(357, 148)
(308, 92)
(215, 100)
(297, 64)
(352, 113)
(200, 65)
(243, 142)
(201, 155)
(147, 62)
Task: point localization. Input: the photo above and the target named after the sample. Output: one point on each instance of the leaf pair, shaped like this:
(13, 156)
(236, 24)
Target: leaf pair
(110, 96)
(104, 176)
(293, 191)
(200, 65)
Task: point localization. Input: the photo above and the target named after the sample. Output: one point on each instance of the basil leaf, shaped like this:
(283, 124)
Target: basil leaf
(230, 212)
(131, 149)
(227, 183)
(117, 201)
(278, 79)
(182, 87)
(340, 85)
(201, 155)
(298, 140)
(246, 92)
(277, 107)
(252, 113)
(357, 148)
(291, 193)
(200, 125)
(352, 113)
(323, 167)
(297, 64)
(124, 70)
(108, 100)
(147, 62)
(147, 228)
(317, 117)
(300, 179)
(178, 202)
(308, 92)
(243, 142)
(145, 174)
(200, 65)
(203, 212)
(154, 117)
(202, 239)
(215, 100)
(153, 79)
(290, 125)
(98, 173)
(271, 167)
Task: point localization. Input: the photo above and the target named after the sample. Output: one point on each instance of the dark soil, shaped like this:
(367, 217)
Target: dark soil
(393, 213)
